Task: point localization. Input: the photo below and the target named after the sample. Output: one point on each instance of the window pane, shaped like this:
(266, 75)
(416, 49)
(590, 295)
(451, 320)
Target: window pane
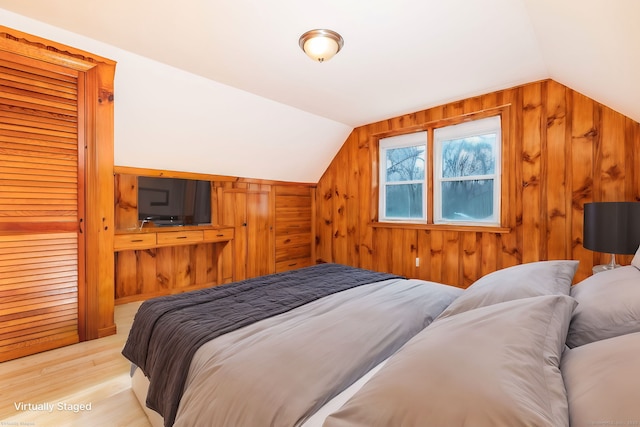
(469, 156)
(467, 200)
(405, 164)
(404, 201)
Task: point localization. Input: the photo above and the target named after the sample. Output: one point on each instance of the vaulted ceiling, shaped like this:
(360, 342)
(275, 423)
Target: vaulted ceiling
(399, 56)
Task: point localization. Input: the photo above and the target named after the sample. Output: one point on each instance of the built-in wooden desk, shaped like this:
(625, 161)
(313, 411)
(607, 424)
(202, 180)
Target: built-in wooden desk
(156, 261)
(156, 237)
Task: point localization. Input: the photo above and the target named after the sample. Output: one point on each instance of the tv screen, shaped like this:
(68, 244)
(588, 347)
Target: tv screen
(174, 201)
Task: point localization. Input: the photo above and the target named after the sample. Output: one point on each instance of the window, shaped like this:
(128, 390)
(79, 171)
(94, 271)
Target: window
(403, 177)
(467, 172)
(464, 177)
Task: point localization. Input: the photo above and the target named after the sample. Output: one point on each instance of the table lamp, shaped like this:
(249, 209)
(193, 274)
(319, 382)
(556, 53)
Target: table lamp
(613, 228)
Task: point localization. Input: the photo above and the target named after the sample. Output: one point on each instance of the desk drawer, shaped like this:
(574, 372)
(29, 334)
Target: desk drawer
(134, 241)
(221, 235)
(292, 264)
(179, 238)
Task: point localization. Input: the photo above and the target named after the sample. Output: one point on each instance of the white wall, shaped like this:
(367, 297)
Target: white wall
(169, 119)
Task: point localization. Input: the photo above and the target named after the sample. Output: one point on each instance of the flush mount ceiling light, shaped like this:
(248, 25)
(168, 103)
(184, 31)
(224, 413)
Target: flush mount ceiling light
(321, 45)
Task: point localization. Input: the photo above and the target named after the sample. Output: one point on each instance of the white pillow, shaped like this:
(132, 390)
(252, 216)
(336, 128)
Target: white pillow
(520, 281)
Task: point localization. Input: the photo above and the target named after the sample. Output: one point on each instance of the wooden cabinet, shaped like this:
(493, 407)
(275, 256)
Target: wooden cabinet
(251, 214)
(293, 227)
(259, 228)
(146, 239)
(274, 227)
(161, 261)
(155, 261)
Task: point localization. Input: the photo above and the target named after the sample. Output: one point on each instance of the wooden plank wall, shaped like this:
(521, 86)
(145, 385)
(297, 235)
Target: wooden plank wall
(273, 231)
(563, 149)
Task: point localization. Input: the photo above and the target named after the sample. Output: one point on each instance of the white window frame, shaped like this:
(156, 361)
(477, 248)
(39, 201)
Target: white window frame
(464, 130)
(401, 141)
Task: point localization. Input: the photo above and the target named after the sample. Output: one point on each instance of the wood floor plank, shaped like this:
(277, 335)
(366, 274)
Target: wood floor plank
(92, 373)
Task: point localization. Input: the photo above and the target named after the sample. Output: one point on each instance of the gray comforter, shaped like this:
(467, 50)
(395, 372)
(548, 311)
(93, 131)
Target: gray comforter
(167, 331)
(281, 370)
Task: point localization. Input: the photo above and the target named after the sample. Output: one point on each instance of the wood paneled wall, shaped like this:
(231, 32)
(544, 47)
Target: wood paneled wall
(563, 149)
(272, 222)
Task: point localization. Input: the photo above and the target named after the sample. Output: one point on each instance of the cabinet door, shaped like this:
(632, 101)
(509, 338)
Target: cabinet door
(234, 213)
(41, 206)
(250, 213)
(293, 231)
(260, 246)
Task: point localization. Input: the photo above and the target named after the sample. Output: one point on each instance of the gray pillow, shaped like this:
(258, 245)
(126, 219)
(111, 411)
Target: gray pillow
(496, 366)
(520, 281)
(608, 306)
(601, 379)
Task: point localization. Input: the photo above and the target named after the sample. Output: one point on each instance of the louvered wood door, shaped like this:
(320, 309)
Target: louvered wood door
(41, 206)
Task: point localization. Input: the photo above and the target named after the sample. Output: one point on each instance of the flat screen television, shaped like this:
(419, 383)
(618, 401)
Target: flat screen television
(174, 201)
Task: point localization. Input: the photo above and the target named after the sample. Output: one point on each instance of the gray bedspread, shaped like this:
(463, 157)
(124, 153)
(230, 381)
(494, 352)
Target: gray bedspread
(278, 372)
(167, 331)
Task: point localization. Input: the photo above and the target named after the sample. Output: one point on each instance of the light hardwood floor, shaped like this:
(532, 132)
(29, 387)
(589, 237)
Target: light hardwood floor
(92, 372)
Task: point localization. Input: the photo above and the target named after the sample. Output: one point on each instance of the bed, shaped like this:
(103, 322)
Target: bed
(521, 346)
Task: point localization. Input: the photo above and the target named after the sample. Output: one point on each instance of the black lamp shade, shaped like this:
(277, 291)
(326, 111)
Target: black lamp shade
(612, 227)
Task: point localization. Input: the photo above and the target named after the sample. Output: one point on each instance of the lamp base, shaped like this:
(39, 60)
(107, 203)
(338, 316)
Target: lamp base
(604, 267)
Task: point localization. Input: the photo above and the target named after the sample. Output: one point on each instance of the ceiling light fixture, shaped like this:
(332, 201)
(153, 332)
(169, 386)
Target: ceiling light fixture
(321, 45)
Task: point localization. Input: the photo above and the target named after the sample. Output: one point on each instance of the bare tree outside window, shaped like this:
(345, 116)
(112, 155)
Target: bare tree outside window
(463, 180)
(469, 197)
(405, 172)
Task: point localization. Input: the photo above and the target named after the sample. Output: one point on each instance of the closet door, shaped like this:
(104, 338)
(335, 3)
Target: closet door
(41, 206)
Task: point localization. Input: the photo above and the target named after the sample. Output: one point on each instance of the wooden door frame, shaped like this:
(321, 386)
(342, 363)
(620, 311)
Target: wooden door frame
(96, 297)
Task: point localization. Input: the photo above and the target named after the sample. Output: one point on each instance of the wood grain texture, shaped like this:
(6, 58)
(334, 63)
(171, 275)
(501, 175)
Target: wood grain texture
(293, 227)
(58, 105)
(272, 224)
(561, 150)
(92, 372)
(41, 190)
(39, 292)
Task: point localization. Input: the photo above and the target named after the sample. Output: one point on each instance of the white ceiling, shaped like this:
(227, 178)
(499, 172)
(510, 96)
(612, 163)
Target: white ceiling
(399, 56)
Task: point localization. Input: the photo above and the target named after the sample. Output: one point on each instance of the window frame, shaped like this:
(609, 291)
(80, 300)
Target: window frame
(411, 139)
(502, 193)
(476, 127)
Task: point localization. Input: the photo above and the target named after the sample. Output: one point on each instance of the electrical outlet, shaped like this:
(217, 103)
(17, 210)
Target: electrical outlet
(417, 262)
